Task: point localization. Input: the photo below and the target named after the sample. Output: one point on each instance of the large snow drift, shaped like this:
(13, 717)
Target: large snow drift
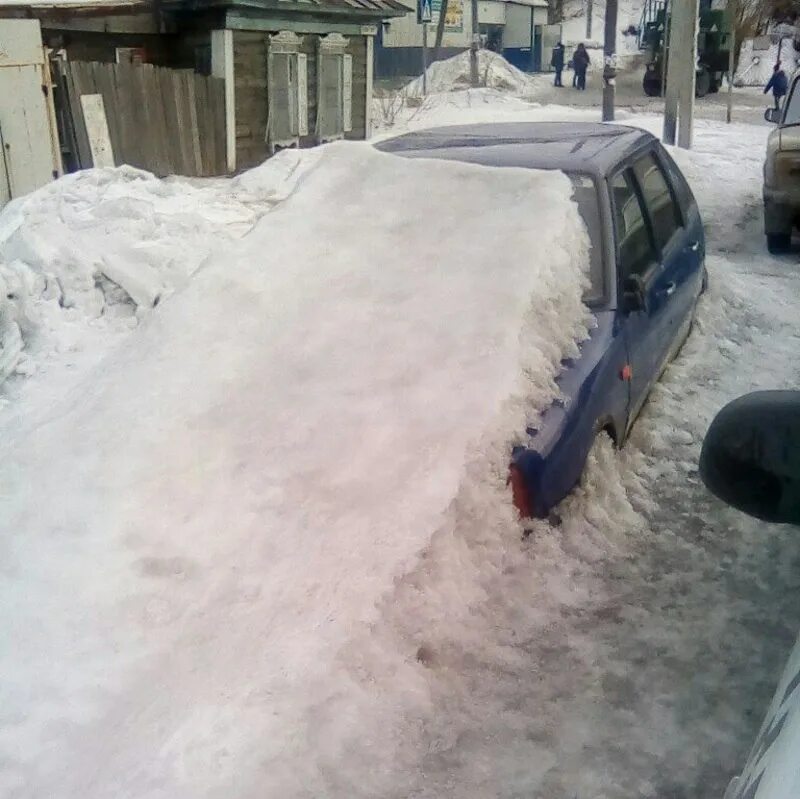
(86, 256)
(197, 540)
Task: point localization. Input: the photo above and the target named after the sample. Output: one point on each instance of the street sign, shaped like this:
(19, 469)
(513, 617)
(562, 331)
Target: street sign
(424, 11)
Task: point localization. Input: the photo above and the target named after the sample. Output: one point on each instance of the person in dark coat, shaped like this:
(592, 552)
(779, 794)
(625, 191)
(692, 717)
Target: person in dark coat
(580, 63)
(557, 62)
(779, 84)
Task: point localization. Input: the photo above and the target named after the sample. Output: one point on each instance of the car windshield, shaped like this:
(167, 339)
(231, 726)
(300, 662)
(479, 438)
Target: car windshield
(792, 116)
(584, 192)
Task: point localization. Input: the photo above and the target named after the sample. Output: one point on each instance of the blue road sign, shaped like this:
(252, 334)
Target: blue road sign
(424, 11)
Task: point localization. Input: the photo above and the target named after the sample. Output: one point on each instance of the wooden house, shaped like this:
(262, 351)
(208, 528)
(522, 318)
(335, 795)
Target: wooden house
(295, 72)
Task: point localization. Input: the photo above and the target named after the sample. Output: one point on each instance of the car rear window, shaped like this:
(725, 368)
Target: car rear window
(584, 192)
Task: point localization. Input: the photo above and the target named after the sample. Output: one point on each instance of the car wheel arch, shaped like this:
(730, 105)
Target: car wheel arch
(607, 425)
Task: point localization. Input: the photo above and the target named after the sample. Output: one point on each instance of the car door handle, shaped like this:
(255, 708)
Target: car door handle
(669, 289)
(695, 246)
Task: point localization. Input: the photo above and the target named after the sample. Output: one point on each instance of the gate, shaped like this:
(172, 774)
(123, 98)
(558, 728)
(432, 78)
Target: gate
(29, 156)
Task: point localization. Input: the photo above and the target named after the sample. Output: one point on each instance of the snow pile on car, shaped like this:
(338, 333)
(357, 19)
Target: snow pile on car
(494, 72)
(83, 257)
(199, 538)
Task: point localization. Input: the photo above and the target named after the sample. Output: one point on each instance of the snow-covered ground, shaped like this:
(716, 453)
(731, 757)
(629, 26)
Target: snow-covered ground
(261, 548)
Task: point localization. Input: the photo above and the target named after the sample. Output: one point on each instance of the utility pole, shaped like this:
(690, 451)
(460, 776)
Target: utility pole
(424, 58)
(589, 9)
(731, 10)
(610, 61)
(681, 69)
(688, 40)
(671, 67)
(665, 49)
(473, 53)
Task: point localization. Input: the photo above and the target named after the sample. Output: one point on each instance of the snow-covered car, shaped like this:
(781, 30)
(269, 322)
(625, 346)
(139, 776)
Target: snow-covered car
(782, 173)
(647, 272)
(750, 461)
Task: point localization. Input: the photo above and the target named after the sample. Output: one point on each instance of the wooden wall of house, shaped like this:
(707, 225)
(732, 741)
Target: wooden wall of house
(102, 47)
(250, 80)
(357, 47)
(191, 50)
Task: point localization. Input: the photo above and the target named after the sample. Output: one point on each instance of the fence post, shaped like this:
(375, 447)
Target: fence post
(222, 67)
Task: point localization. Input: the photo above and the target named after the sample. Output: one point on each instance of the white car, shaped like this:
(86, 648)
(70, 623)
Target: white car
(751, 460)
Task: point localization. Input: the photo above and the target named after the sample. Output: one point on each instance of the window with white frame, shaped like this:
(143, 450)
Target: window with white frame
(334, 88)
(287, 87)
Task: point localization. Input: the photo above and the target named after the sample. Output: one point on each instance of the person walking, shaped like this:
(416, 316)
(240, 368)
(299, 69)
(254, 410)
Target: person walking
(580, 63)
(557, 62)
(779, 84)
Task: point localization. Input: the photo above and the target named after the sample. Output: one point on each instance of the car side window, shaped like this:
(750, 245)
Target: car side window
(634, 246)
(682, 190)
(658, 198)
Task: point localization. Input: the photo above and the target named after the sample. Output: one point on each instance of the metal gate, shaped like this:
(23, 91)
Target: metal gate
(30, 152)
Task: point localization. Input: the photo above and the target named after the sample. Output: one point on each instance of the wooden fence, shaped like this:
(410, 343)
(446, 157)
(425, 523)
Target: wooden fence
(168, 121)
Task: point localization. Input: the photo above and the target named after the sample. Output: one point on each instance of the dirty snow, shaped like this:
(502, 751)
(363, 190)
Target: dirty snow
(84, 259)
(232, 492)
(494, 72)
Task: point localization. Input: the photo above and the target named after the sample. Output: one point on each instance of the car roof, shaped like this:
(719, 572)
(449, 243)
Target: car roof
(591, 148)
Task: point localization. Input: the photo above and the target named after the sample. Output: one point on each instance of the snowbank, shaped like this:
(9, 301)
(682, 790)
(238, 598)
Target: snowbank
(393, 116)
(197, 541)
(82, 258)
(453, 74)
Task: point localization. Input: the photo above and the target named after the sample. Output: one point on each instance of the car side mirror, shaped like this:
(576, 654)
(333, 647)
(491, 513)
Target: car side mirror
(773, 115)
(751, 455)
(633, 294)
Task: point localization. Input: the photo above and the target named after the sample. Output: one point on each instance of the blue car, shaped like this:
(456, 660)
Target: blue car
(647, 271)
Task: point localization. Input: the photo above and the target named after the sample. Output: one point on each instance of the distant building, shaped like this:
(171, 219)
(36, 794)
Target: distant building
(515, 28)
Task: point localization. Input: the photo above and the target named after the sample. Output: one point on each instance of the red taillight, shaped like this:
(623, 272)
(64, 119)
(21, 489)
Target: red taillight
(519, 491)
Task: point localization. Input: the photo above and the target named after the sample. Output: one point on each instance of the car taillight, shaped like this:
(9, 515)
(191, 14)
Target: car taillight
(519, 491)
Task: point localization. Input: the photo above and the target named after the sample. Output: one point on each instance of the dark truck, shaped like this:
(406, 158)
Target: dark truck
(713, 47)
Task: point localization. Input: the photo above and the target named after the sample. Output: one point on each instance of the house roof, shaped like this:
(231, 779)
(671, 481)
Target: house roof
(80, 6)
(371, 8)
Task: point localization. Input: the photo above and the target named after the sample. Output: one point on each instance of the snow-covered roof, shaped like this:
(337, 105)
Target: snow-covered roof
(76, 4)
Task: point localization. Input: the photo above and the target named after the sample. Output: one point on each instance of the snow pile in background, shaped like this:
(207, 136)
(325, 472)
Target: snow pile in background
(755, 66)
(453, 74)
(82, 258)
(198, 539)
(392, 115)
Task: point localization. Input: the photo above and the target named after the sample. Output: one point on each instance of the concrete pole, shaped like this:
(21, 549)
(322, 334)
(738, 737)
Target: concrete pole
(610, 60)
(476, 38)
(672, 66)
(425, 57)
(731, 59)
(679, 101)
(689, 21)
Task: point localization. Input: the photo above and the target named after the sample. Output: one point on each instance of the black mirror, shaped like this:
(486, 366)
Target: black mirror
(751, 455)
(773, 115)
(633, 294)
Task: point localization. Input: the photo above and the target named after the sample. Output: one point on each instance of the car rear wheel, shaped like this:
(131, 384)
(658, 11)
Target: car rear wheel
(778, 243)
